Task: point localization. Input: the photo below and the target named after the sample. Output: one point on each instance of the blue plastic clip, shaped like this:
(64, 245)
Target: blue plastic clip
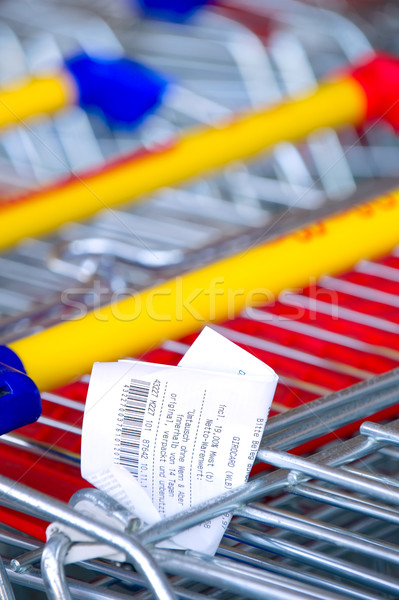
(20, 402)
(171, 10)
(122, 89)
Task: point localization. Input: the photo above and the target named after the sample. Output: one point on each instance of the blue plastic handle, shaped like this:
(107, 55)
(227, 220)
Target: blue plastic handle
(171, 10)
(122, 89)
(20, 402)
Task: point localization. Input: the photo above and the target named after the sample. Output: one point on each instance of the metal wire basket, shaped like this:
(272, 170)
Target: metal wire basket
(322, 527)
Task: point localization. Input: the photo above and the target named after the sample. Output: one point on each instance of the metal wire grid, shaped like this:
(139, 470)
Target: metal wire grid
(133, 248)
(329, 528)
(246, 543)
(326, 530)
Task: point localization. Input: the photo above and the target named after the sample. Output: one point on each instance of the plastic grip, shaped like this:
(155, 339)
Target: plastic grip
(379, 78)
(122, 89)
(20, 402)
(171, 10)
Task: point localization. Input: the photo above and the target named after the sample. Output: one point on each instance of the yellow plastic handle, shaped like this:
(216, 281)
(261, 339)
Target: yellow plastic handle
(34, 97)
(195, 152)
(210, 294)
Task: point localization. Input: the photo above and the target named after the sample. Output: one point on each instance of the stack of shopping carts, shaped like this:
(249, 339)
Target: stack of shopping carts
(318, 516)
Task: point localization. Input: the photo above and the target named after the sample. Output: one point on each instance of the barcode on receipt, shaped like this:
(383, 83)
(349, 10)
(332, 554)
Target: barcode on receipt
(130, 424)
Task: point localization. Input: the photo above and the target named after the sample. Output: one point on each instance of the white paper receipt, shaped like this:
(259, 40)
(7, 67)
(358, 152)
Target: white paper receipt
(160, 439)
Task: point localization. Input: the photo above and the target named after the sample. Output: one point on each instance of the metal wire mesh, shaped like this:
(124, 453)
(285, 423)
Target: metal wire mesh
(315, 527)
(212, 74)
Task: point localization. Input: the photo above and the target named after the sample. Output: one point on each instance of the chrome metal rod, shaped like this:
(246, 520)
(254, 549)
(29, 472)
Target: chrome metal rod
(41, 505)
(328, 422)
(239, 579)
(378, 270)
(317, 559)
(320, 582)
(345, 501)
(337, 401)
(82, 591)
(359, 291)
(328, 533)
(53, 557)
(42, 449)
(292, 353)
(381, 433)
(339, 312)
(318, 333)
(6, 591)
(26, 560)
(302, 468)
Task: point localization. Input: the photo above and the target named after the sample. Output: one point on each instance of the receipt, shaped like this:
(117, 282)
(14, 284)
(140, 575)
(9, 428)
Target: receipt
(160, 439)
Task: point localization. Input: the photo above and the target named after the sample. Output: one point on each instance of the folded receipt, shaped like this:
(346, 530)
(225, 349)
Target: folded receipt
(160, 439)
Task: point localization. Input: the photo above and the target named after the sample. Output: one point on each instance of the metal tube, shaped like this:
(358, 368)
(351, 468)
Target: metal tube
(39, 504)
(346, 502)
(79, 590)
(303, 468)
(336, 400)
(316, 559)
(377, 270)
(340, 312)
(359, 291)
(277, 320)
(292, 353)
(328, 533)
(297, 574)
(328, 421)
(381, 433)
(53, 557)
(6, 591)
(26, 560)
(239, 579)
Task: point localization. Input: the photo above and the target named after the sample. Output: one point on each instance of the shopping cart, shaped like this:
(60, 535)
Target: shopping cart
(316, 355)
